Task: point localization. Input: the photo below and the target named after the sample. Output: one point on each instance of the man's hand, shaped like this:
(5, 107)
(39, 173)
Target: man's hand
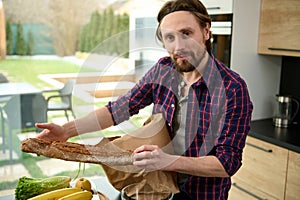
(52, 132)
(151, 158)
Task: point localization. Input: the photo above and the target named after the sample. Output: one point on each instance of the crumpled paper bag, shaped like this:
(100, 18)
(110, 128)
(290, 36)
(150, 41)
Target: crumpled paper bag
(153, 132)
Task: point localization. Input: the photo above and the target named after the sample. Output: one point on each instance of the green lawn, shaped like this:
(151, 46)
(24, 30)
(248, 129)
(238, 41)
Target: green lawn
(28, 70)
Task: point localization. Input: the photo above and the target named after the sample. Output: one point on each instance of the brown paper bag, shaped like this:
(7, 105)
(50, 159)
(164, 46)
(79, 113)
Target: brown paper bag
(153, 132)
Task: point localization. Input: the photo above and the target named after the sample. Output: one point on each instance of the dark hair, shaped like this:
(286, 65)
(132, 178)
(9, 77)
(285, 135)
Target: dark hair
(193, 6)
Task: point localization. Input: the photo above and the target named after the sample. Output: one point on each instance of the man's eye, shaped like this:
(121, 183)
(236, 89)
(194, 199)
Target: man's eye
(186, 34)
(169, 38)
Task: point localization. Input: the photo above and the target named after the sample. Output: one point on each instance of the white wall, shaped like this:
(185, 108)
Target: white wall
(262, 73)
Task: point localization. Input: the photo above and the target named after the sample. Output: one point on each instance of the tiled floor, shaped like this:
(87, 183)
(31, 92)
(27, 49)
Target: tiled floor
(60, 166)
(5, 155)
(13, 172)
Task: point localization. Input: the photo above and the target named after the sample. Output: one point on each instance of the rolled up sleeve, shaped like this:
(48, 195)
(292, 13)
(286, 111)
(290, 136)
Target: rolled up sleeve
(231, 142)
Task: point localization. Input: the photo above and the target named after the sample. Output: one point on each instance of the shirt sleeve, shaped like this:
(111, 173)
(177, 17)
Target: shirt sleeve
(135, 99)
(232, 139)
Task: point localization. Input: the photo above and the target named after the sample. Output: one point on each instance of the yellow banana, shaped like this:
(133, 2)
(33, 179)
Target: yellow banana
(56, 194)
(83, 195)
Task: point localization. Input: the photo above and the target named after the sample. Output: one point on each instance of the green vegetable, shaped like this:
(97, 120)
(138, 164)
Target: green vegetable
(30, 187)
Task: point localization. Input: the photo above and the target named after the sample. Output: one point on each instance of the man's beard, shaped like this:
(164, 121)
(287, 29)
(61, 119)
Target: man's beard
(185, 65)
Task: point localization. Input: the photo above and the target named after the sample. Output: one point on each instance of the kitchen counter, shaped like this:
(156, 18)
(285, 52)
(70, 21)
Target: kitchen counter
(288, 138)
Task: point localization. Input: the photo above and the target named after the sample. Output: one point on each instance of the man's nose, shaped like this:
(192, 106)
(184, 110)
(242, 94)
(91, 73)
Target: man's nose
(179, 44)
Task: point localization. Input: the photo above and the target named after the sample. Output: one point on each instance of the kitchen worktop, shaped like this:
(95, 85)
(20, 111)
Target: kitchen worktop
(288, 138)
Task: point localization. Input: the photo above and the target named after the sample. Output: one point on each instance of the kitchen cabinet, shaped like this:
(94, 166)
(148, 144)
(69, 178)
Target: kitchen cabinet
(215, 7)
(279, 28)
(241, 190)
(263, 173)
(293, 177)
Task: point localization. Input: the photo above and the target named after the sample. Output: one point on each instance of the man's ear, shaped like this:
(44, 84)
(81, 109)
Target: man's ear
(206, 32)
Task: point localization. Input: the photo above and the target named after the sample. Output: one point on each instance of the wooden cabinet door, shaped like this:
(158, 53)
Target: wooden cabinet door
(264, 167)
(279, 32)
(293, 177)
(243, 191)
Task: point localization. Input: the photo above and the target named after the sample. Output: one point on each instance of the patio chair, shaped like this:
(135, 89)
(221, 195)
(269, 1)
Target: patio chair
(64, 96)
(16, 112)
(3, 78)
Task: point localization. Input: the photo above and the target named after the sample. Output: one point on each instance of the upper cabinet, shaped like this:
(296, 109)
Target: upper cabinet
(215, 7)
(279, 32)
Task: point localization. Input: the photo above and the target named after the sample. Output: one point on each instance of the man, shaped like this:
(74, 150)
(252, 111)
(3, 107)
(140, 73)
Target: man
(206, 106)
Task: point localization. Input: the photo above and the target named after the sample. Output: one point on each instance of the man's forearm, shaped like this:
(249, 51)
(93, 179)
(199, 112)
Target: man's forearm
(94, 121)
(207, 166)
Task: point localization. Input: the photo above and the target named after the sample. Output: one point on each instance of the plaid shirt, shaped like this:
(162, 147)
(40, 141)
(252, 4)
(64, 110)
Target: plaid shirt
(218, 120)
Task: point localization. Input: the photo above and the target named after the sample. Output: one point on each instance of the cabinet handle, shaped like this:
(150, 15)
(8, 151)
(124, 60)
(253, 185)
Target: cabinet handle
(260, 148)
(213, 8)
(283, 49)
(248, 192)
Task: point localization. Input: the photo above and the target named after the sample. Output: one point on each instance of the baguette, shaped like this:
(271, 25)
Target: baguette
(76, 152)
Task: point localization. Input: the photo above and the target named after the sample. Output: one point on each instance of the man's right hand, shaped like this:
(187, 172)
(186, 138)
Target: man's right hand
(52, 132)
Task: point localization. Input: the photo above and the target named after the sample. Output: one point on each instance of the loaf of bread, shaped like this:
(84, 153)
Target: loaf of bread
(76, 152)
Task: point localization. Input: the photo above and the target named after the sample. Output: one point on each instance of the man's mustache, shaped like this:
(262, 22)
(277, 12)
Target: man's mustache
(182, 53)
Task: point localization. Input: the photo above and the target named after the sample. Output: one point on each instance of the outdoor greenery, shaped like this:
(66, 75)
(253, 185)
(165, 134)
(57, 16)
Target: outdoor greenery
(23, 47)
(28, 70)
(20, 44)
(66, 35)
(9, 39)
(102, 26)
(30, 44)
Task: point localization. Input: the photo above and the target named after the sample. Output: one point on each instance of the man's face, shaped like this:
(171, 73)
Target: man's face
(184, 39)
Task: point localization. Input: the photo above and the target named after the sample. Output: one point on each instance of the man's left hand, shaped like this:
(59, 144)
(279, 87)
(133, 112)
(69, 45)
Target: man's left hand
(151, 158)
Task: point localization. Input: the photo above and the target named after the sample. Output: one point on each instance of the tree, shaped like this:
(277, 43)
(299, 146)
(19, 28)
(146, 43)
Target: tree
(2, 32)
(83, 39)
(100, 28)
(124, 28)
(20, 43)
(9, 39)
(30, 44)
(95, 24)
(65, 20)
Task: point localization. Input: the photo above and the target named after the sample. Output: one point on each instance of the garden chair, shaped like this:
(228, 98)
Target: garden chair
(3, 78)
(63, 100)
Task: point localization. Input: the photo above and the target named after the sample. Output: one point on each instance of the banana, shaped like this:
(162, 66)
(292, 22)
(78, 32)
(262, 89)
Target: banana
(56, 194)
(83, 195)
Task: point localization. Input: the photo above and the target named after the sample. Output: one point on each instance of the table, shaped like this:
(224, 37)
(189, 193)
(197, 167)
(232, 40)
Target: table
(23, 105)
(8, 89)
(25, 94)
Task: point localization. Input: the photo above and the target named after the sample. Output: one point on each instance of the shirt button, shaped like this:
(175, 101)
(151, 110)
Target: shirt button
(172, 105)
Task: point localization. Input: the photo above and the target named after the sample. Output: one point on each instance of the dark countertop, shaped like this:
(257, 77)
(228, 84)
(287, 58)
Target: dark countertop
(288, 138)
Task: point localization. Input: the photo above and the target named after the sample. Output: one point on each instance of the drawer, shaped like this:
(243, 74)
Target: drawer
(293, 177)
(240, 190)
(264, 167)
